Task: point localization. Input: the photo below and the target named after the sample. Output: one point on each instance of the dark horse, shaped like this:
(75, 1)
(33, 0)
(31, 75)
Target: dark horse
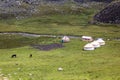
(30, 55)
(14, 56)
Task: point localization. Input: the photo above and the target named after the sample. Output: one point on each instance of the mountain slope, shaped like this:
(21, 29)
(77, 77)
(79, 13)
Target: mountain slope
(110, 14)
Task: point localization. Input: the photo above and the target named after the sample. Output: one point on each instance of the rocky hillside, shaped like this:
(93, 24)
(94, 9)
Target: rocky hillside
(18, 8)
(110, 14)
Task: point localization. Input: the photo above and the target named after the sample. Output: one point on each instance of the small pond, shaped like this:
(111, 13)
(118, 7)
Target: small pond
(8, 41)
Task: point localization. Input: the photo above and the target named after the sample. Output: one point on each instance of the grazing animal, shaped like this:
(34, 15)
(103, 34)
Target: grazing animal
(30, 55)
(14, 56)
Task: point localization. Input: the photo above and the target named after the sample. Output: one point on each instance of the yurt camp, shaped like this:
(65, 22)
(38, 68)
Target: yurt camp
(95, 44)
(65, 39)
(100, 41)
(87, 38)
(89, 46)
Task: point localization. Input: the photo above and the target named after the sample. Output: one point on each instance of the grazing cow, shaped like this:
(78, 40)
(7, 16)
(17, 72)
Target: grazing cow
(14, 56)
(30, 55)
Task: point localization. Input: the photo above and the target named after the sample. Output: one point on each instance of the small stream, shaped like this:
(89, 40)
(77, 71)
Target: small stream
(25, 34)
(25, 40)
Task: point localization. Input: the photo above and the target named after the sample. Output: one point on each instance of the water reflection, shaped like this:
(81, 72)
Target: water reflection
(14, 41)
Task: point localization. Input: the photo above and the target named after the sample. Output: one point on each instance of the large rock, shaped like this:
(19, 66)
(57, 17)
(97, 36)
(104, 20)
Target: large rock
(102, 0)
(110, 14)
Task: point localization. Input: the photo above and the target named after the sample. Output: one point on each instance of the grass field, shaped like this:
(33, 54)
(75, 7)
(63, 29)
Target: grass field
(100, 64)
(61, 24)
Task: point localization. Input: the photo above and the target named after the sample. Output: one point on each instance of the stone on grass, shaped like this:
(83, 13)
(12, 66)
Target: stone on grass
(60, 69)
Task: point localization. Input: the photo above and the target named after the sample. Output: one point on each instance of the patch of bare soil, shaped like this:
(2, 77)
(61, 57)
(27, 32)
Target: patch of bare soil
(47, 47)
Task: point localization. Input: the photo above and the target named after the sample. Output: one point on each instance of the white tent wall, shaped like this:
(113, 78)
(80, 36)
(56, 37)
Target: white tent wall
(89, 46)
(95, 44)
(66, 39)
(100, 41)
(87, 38)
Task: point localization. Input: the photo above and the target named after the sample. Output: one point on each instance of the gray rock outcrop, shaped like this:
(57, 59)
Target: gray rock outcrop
(110, 14)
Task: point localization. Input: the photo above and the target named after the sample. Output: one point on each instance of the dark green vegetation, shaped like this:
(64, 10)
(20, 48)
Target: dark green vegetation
(15, 41)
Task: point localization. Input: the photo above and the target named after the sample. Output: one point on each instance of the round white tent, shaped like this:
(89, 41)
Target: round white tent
(65, 39)
(100, 41)
(95, 44)
(89, 46)
(87, 38)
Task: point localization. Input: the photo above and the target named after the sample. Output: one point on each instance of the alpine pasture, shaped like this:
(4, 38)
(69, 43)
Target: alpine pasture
(75, 64)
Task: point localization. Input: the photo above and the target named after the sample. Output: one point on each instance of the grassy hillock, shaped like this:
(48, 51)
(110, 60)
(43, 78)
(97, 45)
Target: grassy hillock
(61, 24)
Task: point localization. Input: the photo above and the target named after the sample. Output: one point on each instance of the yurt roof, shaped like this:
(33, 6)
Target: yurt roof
(89, 45)
(95, 42)
(65, 37)
(100, 40)
(86, 37)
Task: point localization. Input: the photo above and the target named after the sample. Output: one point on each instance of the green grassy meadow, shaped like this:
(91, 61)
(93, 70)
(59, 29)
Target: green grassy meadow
(60, 24)
(101, 64)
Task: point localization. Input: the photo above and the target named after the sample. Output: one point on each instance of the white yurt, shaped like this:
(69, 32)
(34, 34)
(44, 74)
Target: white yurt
(100, 41)
(87, 38)
(89, 46)
(95, 44)
(65, 39)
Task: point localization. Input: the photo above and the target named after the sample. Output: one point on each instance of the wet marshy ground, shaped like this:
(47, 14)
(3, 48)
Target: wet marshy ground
(8, 41)
(48, 47)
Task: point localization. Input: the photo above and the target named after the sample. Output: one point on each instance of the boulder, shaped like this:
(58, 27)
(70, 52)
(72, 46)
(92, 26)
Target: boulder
(110, 14)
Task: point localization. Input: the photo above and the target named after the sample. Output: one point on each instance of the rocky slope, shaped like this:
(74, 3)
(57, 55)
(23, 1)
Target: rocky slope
(18, 8)
(110, 14)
